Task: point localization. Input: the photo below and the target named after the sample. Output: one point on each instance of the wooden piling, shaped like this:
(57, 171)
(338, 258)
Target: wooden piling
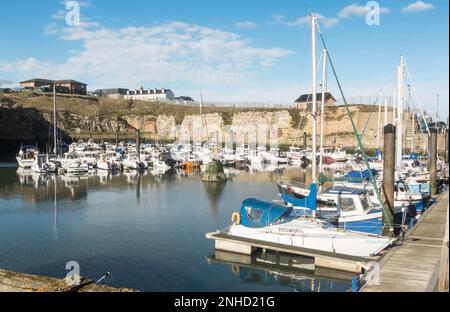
(304, 140)
(389, 174)
(433, 161)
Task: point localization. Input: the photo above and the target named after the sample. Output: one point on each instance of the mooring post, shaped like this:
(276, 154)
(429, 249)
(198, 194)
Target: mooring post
(304, 140)
(389, 175)
(433, 161)
(117, 138)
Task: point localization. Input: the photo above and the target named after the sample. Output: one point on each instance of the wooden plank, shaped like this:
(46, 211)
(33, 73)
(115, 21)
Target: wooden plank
(415, 264)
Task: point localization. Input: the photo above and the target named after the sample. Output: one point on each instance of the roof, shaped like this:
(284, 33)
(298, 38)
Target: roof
(345, 190)
(51, 81)
(184, 98)
(38, 79)
(308, 97)
(150, 91)
(70, 81)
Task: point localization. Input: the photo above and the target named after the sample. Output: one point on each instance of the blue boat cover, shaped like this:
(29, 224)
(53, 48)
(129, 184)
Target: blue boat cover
(258, 214)
(355, 174)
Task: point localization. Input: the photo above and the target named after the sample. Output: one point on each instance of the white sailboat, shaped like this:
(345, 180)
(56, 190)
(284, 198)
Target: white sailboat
(267, 222)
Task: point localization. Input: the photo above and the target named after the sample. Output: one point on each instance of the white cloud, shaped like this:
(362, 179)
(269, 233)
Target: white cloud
(246, 25)
(166, 53)
(325, 21)
(418, 6)
(278, 17)
(358, 10)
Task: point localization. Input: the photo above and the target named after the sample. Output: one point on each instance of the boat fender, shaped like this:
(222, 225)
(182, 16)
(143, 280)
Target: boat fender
(236, 218)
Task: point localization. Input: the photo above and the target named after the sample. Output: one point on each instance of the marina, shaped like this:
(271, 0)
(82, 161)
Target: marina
(140, 190)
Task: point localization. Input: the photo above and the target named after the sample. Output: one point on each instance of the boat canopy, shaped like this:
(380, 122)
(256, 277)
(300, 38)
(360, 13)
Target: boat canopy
(357, 174)
(258, 214)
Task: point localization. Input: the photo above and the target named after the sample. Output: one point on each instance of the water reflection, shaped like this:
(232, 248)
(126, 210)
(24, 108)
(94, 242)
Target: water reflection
(214, 192)
(277, 269)
(115, 222)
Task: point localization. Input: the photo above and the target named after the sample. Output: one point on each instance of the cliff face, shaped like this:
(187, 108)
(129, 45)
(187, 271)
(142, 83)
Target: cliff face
(30, 117)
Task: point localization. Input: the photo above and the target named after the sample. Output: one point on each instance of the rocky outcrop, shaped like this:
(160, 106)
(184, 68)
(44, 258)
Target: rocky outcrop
(214, 173)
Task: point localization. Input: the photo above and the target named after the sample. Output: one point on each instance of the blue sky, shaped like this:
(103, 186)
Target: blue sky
(244, 51)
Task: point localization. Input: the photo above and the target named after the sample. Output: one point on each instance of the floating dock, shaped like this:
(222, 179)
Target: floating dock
(323, 259)
(420, 262)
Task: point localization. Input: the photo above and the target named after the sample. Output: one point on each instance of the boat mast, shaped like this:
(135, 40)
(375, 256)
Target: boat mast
(314, 100)
(385, 112)
(55, 150)
(322, 109)
(394, 113)
(379, 120)
(413, 132)
(400, 111)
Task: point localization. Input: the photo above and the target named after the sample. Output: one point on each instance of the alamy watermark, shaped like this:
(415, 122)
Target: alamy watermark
(373, 13)
(73, 277)
(73, 13)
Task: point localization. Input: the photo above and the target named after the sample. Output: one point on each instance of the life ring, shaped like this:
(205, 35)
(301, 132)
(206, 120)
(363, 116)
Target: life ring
(236, 218)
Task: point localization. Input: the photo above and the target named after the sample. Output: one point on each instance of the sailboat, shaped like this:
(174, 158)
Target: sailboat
(274, 223)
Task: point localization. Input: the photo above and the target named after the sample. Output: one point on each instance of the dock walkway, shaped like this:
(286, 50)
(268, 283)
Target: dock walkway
(415, 264)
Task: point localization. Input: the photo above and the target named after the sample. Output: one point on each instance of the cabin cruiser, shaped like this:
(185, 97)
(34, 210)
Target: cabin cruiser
(277, 157)
(337, 155)
(26, 156)
(42, 165)
(297, 156)
(227, 156)
(348, 208)
(132, 162)
(72, 164)
(106, 162)
(272, 223)
(255, 158)
(89, 158)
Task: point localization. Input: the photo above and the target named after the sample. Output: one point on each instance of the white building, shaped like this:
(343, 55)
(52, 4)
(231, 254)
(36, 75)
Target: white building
(150, 95)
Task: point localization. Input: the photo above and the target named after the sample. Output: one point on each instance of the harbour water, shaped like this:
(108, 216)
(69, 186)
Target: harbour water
(147, 230)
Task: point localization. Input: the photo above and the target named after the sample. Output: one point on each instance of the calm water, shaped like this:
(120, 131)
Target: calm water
(149, 231)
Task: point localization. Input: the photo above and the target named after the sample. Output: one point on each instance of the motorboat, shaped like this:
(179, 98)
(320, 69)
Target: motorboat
(26, 156)
(42, 165)
(347, 208)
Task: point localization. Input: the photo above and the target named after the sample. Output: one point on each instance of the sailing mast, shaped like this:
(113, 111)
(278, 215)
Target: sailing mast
(400, 111)
(413, 131)
(55, 150)
(394, 112)
(322, 109)
(379, 121)
(385, 112)
(314, 100)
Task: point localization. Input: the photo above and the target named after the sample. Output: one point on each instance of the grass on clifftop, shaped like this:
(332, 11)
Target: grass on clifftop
(93, 106)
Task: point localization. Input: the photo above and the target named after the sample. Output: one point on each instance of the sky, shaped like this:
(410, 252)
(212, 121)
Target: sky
(230, 50)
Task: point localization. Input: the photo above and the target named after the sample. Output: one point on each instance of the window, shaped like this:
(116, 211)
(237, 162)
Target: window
(254, 214)
(365, 202)
(347, 204)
